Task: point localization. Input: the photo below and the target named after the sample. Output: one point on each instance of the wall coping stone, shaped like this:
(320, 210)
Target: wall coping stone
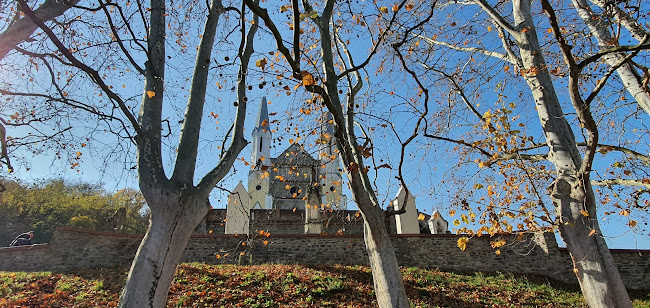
(618, 250)
(24, 247)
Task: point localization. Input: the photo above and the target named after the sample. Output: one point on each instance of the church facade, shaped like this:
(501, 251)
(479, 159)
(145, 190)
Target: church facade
(297, 193)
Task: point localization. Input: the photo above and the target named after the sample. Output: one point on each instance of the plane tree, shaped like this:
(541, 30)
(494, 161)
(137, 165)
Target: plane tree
(504, 68)
(126, 69)
(328, 49)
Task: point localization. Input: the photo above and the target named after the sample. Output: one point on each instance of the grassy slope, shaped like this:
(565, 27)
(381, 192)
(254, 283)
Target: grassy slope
(200, 285)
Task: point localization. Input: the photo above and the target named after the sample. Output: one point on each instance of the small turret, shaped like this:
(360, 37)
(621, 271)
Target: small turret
(238, 211)
(406, 223)
(437, 224)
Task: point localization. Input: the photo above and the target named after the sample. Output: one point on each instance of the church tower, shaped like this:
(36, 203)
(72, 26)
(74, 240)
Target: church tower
(258, 177)
(331, 175)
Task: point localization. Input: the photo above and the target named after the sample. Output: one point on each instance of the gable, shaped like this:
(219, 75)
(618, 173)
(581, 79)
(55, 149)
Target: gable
(295, 155)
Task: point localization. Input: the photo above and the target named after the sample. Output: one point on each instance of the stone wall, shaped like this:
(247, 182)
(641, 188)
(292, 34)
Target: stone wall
(282, 221)
(537, 254)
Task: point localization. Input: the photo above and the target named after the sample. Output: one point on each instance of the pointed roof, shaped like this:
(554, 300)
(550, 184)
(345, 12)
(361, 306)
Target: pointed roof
(239, 189)
(263, 115)
(295, 154)
(401, 192)
(437, 216)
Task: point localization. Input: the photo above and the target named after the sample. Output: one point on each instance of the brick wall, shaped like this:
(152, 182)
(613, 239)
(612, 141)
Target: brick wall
(538, 254)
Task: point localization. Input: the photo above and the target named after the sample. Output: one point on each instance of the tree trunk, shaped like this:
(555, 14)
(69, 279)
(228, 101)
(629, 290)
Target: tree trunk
(593, 264)
(572, 195)
(386, 276)
(600, 31)
(152, 271)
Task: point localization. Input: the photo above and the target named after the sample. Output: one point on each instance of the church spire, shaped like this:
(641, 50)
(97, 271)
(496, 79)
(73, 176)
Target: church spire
(263, 116)
(261, 136)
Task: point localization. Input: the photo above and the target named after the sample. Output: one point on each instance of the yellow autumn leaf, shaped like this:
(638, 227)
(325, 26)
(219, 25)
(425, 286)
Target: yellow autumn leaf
(312, 14)
(421, 216)
(498, 252)
(497, 244)
(307, 78)
(261, 63)
(151, 94)
(383, 9)
(489, 28)
(462, 243)
(452, 212)
(78, 154)
(592, 232)
(456, 222)
(584, 213)
(632, 223)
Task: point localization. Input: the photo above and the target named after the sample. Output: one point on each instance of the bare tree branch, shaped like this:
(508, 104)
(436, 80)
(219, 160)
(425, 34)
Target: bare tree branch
(21, 30)
(92, 73)
(496, 17)
(189, 140)
(381, 38)
(489, 53)
(622, 182)
(119, 39)
(238, 142)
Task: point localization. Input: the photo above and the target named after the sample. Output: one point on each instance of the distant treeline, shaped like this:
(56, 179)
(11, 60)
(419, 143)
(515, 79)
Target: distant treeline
(46, 205)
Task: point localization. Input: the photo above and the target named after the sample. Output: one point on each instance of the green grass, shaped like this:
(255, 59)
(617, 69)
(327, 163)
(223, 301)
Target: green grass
(201, 285)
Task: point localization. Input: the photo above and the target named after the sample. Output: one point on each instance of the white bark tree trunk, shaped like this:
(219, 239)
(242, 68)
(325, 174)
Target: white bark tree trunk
(177, 205)
(572, 195)
(626, 20)
(387, 278)
(599, 27)
(153, 269)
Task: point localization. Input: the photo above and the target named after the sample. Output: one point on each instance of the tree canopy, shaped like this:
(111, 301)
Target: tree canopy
(46, 205)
